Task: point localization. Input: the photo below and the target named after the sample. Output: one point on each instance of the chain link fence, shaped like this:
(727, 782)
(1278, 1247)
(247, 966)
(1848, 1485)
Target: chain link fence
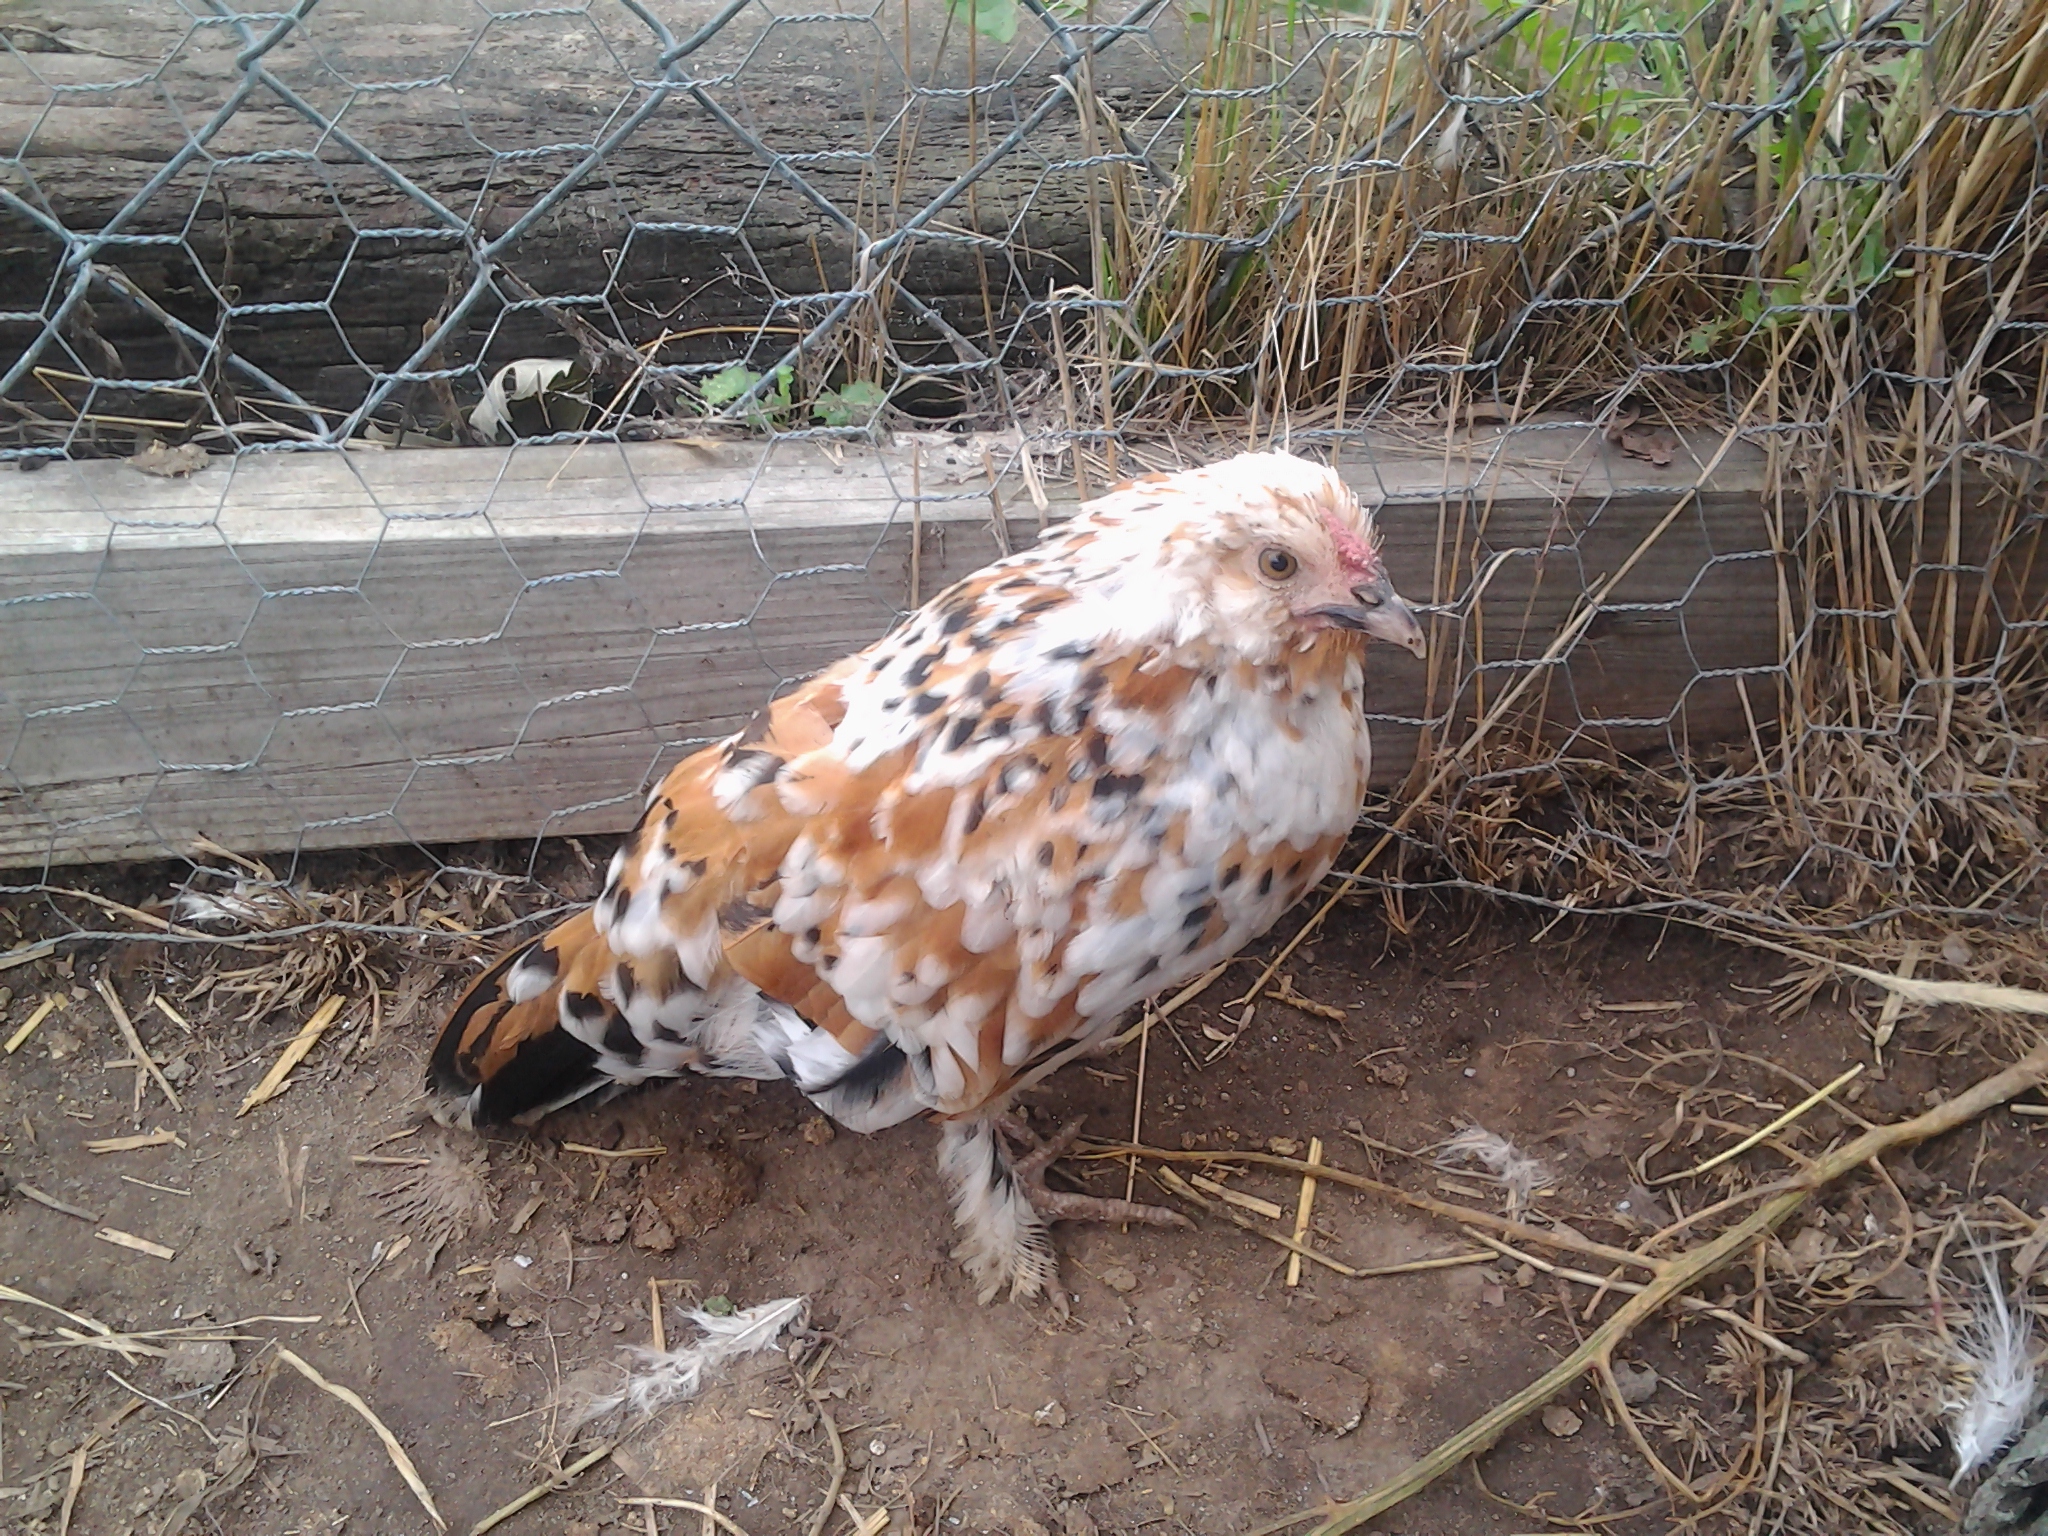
(425, 422)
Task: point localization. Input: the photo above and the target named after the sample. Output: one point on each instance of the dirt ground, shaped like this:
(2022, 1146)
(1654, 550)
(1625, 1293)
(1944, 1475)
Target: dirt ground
(1192, 1390)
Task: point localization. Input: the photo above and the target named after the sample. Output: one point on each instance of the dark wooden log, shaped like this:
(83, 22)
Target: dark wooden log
(685, 227)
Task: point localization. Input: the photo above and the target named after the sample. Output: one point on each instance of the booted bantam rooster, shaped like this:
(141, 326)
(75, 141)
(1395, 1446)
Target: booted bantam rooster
(1071, 781)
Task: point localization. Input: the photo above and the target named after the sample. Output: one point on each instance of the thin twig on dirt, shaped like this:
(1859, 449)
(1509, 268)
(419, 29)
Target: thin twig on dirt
(51, 1201)
(1764, 1133)
(157, 1402)
(539, 1491)
(1735, 1320)
(392, 1448)
(1567, 1242)
(726, 1524)
(826, 1505)
(1138, 1106)
(127, 1027)
(1672, 1278)
(104, 1429)
(614, 1152)
(1299, 1249)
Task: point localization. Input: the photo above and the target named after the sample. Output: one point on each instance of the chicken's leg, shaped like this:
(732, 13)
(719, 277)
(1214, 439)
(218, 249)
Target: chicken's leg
(1004, 1206)
(1064, 1205)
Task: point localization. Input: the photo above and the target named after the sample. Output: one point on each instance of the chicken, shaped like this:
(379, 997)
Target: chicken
(1074, 779)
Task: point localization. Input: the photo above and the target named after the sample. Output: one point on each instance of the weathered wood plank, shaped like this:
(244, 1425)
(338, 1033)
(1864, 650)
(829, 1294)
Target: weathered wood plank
(339, 649)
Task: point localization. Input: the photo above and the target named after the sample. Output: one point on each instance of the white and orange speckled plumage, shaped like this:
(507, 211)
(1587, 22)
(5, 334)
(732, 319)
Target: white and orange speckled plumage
(1078, 777)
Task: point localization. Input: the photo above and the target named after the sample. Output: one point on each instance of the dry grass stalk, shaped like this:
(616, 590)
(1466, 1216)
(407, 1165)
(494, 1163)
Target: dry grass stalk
(392, 1448)
(127, 1027)
(78, 1457)
(1671, 1278)
(51, 1202)
(1764, 1132)
(156, 1138)
(614, 1152)
(539, 1491)
(43, 1010)
(1229, 1196)
(723, 1522)
(134, 1244)
(1301, 1210)
(277, 1079)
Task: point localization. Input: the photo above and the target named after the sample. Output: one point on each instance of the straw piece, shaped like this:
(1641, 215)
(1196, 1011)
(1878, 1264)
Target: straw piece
(135, 1244)
(693, 1507)
(587, 1151)
(1301, 1211)
(24, 1298)
(123, 1344)
(1178, 1186)
(44, 1009)
(127, 1028)
(1756, 1136)
(33, 952)
(1243, 1202)
(540, 1491)
(40, 1198)
(396, 1451)
(164, 1008)
(274, 1081)
(1735, 1320)
(156, 1138)
(78, 1465)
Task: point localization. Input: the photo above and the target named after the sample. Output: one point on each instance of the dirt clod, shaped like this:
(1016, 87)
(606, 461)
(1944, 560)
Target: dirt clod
(704, 1187)
(199, 1362)
(1638, 1383)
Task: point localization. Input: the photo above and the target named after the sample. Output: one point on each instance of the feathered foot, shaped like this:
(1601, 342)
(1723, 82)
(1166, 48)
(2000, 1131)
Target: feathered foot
(1004, 1206)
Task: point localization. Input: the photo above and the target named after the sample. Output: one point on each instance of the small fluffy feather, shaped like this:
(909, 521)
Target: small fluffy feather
(660, 1377)
(1995, 1353)
(1502, 1161)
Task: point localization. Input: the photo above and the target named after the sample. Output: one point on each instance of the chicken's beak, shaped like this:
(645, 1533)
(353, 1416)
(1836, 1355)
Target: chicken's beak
(1378, 610)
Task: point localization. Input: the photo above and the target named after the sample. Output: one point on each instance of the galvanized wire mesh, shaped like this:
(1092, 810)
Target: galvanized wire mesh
(1718, 461)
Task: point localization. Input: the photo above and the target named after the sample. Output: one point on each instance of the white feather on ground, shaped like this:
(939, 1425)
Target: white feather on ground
(1995, 1355)
(1500, 1160)
(659, 1377)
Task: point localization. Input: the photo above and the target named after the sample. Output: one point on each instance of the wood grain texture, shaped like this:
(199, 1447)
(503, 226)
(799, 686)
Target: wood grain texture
(686, 228)
(301, 651)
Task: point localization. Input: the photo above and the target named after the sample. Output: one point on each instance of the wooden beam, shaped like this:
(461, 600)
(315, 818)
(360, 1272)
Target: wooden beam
(301, 651)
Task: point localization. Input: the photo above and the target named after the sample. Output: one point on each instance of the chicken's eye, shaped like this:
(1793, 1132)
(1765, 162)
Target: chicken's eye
(1278, 563)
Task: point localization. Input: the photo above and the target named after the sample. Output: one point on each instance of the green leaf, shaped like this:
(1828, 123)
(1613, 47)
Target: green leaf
(728, 384)
(856, 402)
(995, 20)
